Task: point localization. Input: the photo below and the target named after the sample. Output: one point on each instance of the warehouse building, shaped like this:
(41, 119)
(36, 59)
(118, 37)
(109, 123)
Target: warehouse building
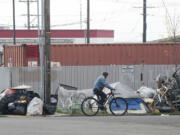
(57, 36)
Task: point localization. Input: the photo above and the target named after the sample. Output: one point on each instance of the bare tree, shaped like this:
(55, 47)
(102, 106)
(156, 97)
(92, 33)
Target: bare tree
(172, 24)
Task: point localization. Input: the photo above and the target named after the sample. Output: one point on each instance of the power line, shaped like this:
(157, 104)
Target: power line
(28, 11)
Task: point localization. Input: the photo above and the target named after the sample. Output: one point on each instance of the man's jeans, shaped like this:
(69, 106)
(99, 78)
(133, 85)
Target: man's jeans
(101, 95)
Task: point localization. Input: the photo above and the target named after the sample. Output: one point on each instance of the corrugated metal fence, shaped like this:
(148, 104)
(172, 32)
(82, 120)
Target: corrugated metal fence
(83, 77)
(4, 78)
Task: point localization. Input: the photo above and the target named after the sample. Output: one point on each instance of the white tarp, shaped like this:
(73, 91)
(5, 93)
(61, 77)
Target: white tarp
(67, 97)
(123, 90)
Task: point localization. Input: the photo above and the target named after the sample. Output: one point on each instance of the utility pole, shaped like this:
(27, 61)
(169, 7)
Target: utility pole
(144, 35)
(28, 15)
(28, 2)
(41, 44)
(144, 21)
(14, 24)
(80, 14)
(88, 23)
(47, 49)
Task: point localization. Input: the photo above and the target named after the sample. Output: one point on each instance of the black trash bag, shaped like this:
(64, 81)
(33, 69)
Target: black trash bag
(17, 108)
(30, 95)
(20, 109)
(5, 101)
(176, 75)
(50, 109)
(11, 107)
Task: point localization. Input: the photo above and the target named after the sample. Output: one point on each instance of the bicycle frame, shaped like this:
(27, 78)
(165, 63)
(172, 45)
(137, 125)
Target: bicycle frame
(160, 96)
(109, 95)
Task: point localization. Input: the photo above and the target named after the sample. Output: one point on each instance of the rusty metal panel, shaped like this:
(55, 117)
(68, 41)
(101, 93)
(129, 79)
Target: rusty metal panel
(176, 53)
(115, 54)
(16, 53)
(100, 54)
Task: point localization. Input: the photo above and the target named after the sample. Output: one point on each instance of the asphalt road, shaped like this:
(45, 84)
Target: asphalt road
(99, 125)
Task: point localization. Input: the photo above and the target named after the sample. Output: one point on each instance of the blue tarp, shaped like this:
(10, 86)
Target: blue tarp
(133, 104)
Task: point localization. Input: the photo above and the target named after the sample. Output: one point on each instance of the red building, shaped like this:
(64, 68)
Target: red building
(57, 36)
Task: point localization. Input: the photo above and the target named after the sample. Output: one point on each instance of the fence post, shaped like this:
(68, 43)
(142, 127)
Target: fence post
(10, 71)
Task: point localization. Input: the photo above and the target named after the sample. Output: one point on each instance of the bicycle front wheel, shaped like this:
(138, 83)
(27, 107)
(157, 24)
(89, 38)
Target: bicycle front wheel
(90, 106)
(118, 106)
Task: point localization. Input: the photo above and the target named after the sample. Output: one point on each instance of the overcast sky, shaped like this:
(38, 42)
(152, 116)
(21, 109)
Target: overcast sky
(122, 16)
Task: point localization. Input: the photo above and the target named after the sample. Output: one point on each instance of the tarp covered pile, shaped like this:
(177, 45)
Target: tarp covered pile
(66, 98)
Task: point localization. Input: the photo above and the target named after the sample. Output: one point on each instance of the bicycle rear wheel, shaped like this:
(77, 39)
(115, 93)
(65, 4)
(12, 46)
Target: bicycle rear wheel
(118, 106)
(90, 106)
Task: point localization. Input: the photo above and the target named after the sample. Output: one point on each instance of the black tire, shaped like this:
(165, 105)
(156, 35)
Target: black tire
(89, 106)
(118, 106)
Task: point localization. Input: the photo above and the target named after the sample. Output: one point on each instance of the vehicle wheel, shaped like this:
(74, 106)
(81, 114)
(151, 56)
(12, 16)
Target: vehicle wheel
(90, 106)
(118, 106)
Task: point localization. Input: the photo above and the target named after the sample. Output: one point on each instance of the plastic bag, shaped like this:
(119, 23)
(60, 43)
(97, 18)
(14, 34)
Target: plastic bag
(35, 107)
(122, 90)
(146, 92)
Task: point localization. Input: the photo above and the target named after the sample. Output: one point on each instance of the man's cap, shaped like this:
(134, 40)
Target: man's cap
(105, 73)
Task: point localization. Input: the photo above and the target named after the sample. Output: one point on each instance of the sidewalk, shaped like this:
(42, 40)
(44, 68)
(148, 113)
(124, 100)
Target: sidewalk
(54, 115)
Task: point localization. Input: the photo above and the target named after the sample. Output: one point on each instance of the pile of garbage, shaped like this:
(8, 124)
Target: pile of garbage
(166, 98)
(20, 101)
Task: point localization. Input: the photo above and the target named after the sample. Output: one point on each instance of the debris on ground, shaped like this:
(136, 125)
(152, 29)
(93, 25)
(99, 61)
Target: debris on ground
(19, 101)
(166, 98)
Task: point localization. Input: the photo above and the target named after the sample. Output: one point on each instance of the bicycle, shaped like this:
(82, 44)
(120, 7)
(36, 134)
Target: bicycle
(117, 105)
(160, 97)
(167, 99)
(162, 100)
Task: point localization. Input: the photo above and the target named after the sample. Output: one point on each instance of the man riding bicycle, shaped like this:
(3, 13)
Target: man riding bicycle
(99, 85)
